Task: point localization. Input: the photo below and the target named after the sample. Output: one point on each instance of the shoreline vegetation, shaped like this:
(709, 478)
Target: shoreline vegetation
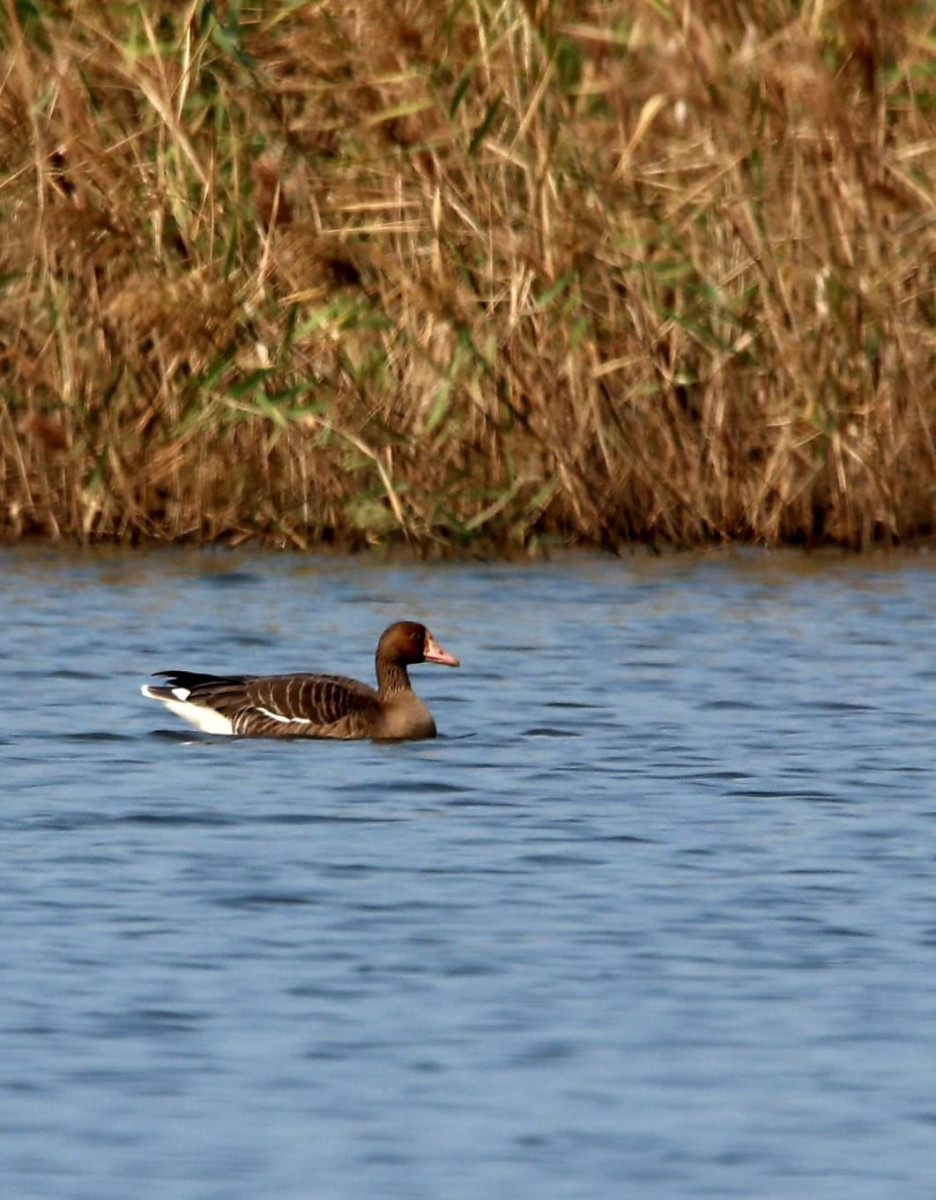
(468, 276)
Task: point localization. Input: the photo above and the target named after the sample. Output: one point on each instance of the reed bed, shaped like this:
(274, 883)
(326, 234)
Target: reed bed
(465, 274)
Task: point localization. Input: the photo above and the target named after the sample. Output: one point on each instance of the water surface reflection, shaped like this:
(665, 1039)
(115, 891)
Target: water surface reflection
(656, 911)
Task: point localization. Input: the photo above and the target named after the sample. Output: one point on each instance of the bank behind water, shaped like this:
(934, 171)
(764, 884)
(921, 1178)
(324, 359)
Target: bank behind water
(454, 276)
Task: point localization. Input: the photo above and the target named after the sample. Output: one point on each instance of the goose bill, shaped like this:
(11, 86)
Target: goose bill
(433, 652)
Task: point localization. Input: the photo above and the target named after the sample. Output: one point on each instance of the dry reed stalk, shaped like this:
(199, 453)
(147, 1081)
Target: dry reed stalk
(562, 269)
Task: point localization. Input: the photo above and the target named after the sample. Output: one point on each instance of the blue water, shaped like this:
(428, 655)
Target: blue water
(655, 916)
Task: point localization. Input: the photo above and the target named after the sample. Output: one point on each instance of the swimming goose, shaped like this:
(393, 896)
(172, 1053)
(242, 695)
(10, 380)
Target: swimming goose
(313, 706)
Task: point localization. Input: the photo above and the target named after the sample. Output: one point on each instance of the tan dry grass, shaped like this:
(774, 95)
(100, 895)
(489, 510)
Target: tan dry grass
(502, 271)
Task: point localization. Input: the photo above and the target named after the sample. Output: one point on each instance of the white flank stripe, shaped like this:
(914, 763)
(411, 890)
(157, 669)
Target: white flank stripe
(283, 720)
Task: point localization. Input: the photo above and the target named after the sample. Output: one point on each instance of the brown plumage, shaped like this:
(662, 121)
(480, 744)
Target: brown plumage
(313, 706)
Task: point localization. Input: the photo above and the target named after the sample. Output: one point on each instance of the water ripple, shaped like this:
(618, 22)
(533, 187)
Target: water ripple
(658, 920)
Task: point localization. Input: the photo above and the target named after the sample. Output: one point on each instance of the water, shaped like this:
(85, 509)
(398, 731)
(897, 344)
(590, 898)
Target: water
(655, 916)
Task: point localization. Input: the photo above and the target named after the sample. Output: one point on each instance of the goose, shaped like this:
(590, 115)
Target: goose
(313, 706)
